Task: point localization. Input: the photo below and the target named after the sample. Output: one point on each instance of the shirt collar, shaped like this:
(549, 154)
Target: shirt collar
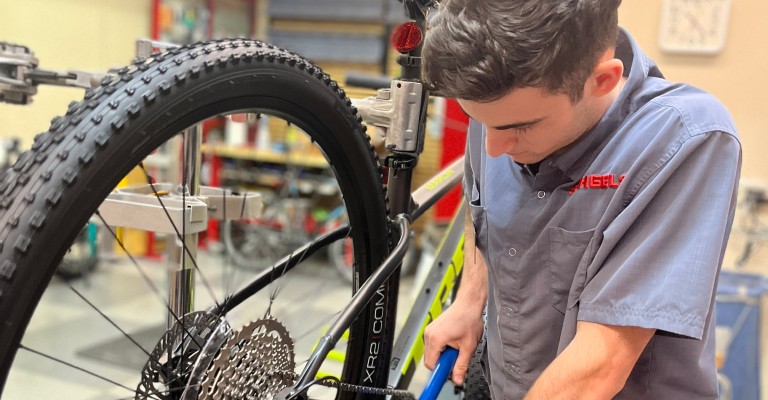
(574, 158)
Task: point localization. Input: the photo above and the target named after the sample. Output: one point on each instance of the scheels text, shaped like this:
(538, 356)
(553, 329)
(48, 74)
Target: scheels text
(608, 181)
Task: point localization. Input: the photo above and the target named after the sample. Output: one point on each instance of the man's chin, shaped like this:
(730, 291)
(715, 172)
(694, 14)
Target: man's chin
(523, 158)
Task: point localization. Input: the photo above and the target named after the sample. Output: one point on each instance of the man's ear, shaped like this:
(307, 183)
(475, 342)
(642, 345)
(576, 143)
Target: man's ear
(606, 75)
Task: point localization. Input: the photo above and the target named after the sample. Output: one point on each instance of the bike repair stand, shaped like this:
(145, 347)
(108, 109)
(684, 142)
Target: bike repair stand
(181, 211)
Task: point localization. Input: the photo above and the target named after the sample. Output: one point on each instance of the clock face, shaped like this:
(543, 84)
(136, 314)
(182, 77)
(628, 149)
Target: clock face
(694, 26)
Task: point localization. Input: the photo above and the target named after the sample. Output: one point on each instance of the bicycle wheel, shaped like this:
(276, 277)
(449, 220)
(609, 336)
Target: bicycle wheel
(475, 385)
(59, 184)
(252, 245)
(258, 243)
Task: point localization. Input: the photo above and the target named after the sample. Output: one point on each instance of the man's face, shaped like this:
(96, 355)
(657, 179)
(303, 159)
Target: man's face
(529, 124)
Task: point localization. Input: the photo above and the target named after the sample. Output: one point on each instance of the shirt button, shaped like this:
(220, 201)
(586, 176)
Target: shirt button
(508, 312)
(512, 251)
(552, 164)
(541, 194)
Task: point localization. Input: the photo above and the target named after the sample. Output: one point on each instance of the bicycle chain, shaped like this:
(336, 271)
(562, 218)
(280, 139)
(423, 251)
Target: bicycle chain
(348, 387)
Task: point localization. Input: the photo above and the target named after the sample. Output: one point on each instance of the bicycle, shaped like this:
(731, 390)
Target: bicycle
(287, 221)
(71, 170)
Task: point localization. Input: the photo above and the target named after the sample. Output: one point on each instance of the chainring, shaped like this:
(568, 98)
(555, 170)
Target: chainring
(178, 363)
(255, 364)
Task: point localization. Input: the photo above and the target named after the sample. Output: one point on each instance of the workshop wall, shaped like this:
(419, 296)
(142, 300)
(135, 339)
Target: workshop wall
(89, 35)
(737, 76)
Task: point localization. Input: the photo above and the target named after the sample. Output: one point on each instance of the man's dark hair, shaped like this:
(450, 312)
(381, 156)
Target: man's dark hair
(480, 50)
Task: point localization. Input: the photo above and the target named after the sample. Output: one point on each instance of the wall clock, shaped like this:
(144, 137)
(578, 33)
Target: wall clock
(694, 26)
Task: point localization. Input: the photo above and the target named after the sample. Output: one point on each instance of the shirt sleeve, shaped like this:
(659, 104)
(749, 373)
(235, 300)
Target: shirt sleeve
(473, 154)
(661, 255)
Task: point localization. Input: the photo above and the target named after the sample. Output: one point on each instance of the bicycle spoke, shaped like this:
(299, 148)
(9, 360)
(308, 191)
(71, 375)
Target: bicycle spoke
(138, 267)
(231, 271)
(316, 327)
(113, 323)
(70, 365)
(277, 289)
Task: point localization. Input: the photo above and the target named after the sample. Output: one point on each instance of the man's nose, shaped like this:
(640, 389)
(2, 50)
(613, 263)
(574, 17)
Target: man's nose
(499, 143)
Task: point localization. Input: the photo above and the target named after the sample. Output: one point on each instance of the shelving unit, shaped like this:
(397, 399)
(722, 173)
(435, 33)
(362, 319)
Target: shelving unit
(339, 35)
(187, 21)
(266, 156)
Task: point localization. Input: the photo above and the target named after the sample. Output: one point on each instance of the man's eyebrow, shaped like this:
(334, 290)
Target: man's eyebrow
(516, 125)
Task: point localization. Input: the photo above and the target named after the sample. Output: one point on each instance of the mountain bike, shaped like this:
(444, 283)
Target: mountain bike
(281, 333)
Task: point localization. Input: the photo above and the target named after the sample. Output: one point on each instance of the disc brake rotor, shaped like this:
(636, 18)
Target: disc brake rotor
(255, 364)
(178, 363)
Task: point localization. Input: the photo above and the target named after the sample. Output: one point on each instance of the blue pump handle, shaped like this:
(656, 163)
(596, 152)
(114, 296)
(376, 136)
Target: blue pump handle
(440, 374)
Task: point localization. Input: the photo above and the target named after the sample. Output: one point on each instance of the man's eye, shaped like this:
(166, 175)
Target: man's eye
(523, 129)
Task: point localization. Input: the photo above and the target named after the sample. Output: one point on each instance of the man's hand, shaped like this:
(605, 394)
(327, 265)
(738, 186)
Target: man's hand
(460, 327)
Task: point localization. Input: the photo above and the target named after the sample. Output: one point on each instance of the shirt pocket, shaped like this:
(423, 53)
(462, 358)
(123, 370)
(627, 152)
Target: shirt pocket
(566, 255)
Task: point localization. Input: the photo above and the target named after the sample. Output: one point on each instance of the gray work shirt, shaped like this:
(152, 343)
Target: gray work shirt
(626, 226)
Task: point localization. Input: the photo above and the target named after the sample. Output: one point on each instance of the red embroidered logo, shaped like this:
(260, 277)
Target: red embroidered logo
(597, 182)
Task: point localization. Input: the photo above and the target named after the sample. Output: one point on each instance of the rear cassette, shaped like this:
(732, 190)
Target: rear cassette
(255, 364)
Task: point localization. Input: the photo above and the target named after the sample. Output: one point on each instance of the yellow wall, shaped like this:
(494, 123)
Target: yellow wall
(737, 76)
(91, 35)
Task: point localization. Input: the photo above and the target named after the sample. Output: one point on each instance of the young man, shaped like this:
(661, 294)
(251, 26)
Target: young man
(601, 198)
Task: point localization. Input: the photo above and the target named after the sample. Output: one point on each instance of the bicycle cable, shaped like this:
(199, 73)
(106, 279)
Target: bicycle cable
(348, 387)
(333, 382)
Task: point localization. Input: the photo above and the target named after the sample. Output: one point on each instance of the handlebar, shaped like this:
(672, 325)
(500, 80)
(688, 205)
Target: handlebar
(367, 81)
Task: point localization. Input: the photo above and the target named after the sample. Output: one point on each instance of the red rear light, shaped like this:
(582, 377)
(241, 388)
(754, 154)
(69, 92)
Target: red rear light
(406, 37)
